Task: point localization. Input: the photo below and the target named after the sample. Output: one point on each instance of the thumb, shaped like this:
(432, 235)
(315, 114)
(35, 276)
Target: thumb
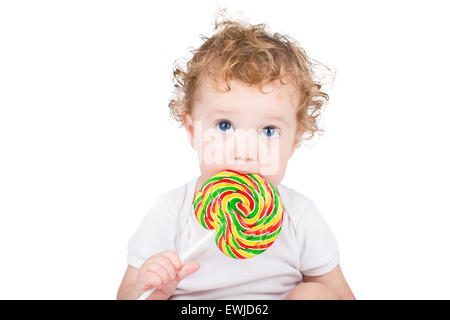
(187, 269)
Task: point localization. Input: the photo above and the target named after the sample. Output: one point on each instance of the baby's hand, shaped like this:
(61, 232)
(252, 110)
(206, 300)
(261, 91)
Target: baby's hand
(163, 271)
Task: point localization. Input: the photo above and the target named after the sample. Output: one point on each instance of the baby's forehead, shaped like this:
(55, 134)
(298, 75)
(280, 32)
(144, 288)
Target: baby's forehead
(222, 85)
(209, 90)
(247, 102)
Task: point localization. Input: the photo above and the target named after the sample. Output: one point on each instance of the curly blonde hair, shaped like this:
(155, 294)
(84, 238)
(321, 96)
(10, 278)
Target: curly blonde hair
(249, 53)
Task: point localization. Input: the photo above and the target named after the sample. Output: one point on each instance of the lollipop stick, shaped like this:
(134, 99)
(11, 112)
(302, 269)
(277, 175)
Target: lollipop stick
(183, 258)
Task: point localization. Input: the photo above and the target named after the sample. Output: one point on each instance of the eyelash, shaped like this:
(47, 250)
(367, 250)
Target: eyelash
(272, 127)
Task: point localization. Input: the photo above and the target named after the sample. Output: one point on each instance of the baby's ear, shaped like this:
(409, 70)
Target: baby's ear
(189, 126)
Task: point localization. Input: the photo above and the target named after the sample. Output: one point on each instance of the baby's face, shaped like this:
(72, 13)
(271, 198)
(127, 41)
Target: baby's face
(243, 129)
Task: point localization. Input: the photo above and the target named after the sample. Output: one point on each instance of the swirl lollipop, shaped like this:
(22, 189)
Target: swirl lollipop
(244, 209)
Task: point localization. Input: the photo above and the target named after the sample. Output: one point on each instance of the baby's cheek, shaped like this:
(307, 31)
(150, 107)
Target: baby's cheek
(273, 168)
(270, 157)
(213, 152)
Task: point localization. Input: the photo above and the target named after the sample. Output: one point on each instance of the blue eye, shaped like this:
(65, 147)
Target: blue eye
(224, 125)
(270, 132)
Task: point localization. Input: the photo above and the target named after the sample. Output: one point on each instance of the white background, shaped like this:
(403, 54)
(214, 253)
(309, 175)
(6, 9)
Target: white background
(86, 143)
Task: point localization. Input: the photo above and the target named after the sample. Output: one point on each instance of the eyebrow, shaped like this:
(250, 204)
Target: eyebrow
(278, 119)
(226, 112)
(218, 111)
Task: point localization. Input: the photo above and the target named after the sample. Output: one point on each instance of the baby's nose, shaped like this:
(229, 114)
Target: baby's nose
(246, 146)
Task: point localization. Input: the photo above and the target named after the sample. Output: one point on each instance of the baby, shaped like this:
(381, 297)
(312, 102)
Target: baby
(246, 100)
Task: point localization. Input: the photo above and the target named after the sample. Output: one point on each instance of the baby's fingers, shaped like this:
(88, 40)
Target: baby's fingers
(161, 271)
(168, 265)
(150, 280)
(187, 269)
(174, 259)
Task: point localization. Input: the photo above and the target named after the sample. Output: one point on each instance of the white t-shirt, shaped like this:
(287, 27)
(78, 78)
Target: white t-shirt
(305, 246)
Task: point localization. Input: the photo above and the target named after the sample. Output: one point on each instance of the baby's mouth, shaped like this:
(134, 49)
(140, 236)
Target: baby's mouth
(245, 171)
